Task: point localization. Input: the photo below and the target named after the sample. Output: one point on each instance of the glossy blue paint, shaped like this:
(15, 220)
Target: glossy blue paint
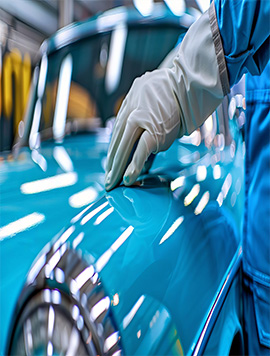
(170, 249)
(171, 256)
(18, 250)
(162, 248)
(225, 312)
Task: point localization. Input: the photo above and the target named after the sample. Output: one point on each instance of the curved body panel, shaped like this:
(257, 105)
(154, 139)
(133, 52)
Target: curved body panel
(165, 252)
(161, 258)
(163, 263)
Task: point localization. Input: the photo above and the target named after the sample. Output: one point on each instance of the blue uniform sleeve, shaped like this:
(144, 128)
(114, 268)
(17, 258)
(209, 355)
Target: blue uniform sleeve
(244, 27)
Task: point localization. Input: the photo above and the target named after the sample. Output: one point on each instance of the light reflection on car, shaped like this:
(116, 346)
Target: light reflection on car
(152, 269)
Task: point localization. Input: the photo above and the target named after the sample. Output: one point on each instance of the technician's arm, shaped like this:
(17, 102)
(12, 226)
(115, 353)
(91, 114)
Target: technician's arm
(168, 103)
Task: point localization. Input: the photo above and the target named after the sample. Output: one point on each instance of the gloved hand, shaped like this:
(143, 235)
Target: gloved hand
(149, 114)
(168, 103)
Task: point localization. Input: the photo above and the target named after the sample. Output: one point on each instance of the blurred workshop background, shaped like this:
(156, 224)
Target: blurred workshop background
(24, 24)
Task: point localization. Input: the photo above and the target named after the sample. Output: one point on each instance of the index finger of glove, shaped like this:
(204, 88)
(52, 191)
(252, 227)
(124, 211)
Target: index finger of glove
(122, 154)
(146, 146)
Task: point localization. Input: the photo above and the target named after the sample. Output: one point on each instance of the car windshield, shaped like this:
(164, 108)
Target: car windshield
(78, 86)
(81, 85)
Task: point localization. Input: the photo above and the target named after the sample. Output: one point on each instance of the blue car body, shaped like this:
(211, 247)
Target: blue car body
(162, 258)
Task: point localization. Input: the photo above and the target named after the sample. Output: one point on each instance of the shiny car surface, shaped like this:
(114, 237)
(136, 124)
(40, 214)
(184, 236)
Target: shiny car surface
(147, 270)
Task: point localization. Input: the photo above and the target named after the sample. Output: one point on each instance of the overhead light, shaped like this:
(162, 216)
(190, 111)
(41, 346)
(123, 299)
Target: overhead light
(220, 199)
(105, 257)
(50, 266)
(61, 106)
(77, 240)
(192, 195)
(177, 7)
(116, 55)
(177, 183)
(203, 4)
(74, 342)
(128, 318)
(111, 341)
(99, 308)
(208, 124)
(21, 224)
(63, 159)
(145, 7)
(83, 277)
(201, 173)
(51, 319)
(103, 216)
(226, 185)
(115, 299)
(63, 238)
(42, 76)
(110, 18)
(78, 216)
(217, 171)
(39, 160)
(34, 138)
(202, 203)
(172, 229)
(89, 216)
(50, 183)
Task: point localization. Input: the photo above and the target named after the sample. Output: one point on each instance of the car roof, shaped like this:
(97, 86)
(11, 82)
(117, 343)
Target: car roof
(108, 20)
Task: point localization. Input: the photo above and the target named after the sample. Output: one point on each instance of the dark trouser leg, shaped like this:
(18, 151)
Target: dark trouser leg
(256, 300)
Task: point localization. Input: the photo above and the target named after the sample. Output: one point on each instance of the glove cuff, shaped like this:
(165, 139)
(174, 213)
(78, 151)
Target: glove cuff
(222, 67)
(199, 75)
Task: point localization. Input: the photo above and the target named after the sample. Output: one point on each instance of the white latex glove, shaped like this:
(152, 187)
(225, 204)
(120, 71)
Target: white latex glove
(169, 102)
(149, 114)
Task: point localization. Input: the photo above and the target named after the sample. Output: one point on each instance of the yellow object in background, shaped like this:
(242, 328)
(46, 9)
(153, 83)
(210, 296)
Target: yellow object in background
(26, 79)
(7, 86)
(16, 78)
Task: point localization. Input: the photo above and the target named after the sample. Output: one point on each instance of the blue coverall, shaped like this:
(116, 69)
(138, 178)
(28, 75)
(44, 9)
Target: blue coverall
(245, 32)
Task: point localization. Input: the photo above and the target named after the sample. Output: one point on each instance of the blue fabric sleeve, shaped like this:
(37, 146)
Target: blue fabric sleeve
(244, 27)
